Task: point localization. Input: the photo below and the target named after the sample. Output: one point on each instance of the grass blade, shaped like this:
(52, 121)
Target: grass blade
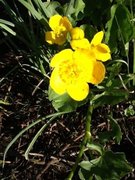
(3, 21)
(27, 128)
(6, 28)
(36, 137)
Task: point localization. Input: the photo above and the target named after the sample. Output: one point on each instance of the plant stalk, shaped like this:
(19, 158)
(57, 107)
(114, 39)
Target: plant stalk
(87, 138)
(134, 60)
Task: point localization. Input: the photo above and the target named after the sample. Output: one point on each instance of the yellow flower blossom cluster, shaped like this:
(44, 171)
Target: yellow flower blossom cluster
(74, 69)
(60, 27)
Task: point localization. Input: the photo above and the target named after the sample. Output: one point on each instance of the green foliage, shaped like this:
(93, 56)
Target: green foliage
(108, 97)
(89, 30)
(108, 166)
(64, 102)
(119, 27)
(114, 88)
(51, 8)
(79, 6)
(97, 11)
(25, 33)
(42, 10)
(5, 25)
(74, 10)
(2, 102)
(95, 147)
(113, 134)
(129, 111)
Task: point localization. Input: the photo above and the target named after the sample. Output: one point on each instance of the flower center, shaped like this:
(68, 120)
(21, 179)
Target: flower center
(59, 31)
(69, 72)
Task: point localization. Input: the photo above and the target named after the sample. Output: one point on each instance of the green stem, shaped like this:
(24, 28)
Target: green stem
(87, 138)
(132, 17)
(134, 60)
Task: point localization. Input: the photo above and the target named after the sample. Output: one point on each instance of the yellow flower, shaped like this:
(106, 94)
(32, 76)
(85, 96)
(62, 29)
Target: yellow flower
(60, 27)
(72, 72)
(77, 33)
(78, 40)
(101, 50)
(80, 44)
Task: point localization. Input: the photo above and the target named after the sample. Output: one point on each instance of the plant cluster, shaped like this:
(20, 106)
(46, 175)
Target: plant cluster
(85, 51)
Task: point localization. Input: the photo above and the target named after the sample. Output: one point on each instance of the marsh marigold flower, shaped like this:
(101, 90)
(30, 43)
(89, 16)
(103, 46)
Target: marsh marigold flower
(60, 27)
(72, 72)
(101, 50)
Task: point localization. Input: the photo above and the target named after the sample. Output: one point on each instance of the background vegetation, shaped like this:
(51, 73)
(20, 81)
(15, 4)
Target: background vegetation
(40, 132)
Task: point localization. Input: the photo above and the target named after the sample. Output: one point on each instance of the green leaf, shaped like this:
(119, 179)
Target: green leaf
(48, 9)
(114, 69)
(79, 8)
(69, 8)
(120, 1)
(119, 27)
(64, 102)
(4, 102)
(31, 8)
(3, 21)
(95, 147)
(110, 166)
(6, 28)
(111, 34)
(87, 165)
(110, 97)
(51, 8)
(129, 111)
(74, 10)
(35, 13)
(115, 78)
(97, 11)
(30, 146)
(116, 130)
(105, 137)
(84, 174)
(123, 19)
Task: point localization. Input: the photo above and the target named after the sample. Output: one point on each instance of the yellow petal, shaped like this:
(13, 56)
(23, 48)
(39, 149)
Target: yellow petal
(63, 55)
(98, 73)
(50, 37)
(80, 44)
(102, 52)
(66, 23)
(54, 21)
(85, 59)
(77, 33)
(97, 38)
(78, 91)
(84, 55)
(56, 83)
